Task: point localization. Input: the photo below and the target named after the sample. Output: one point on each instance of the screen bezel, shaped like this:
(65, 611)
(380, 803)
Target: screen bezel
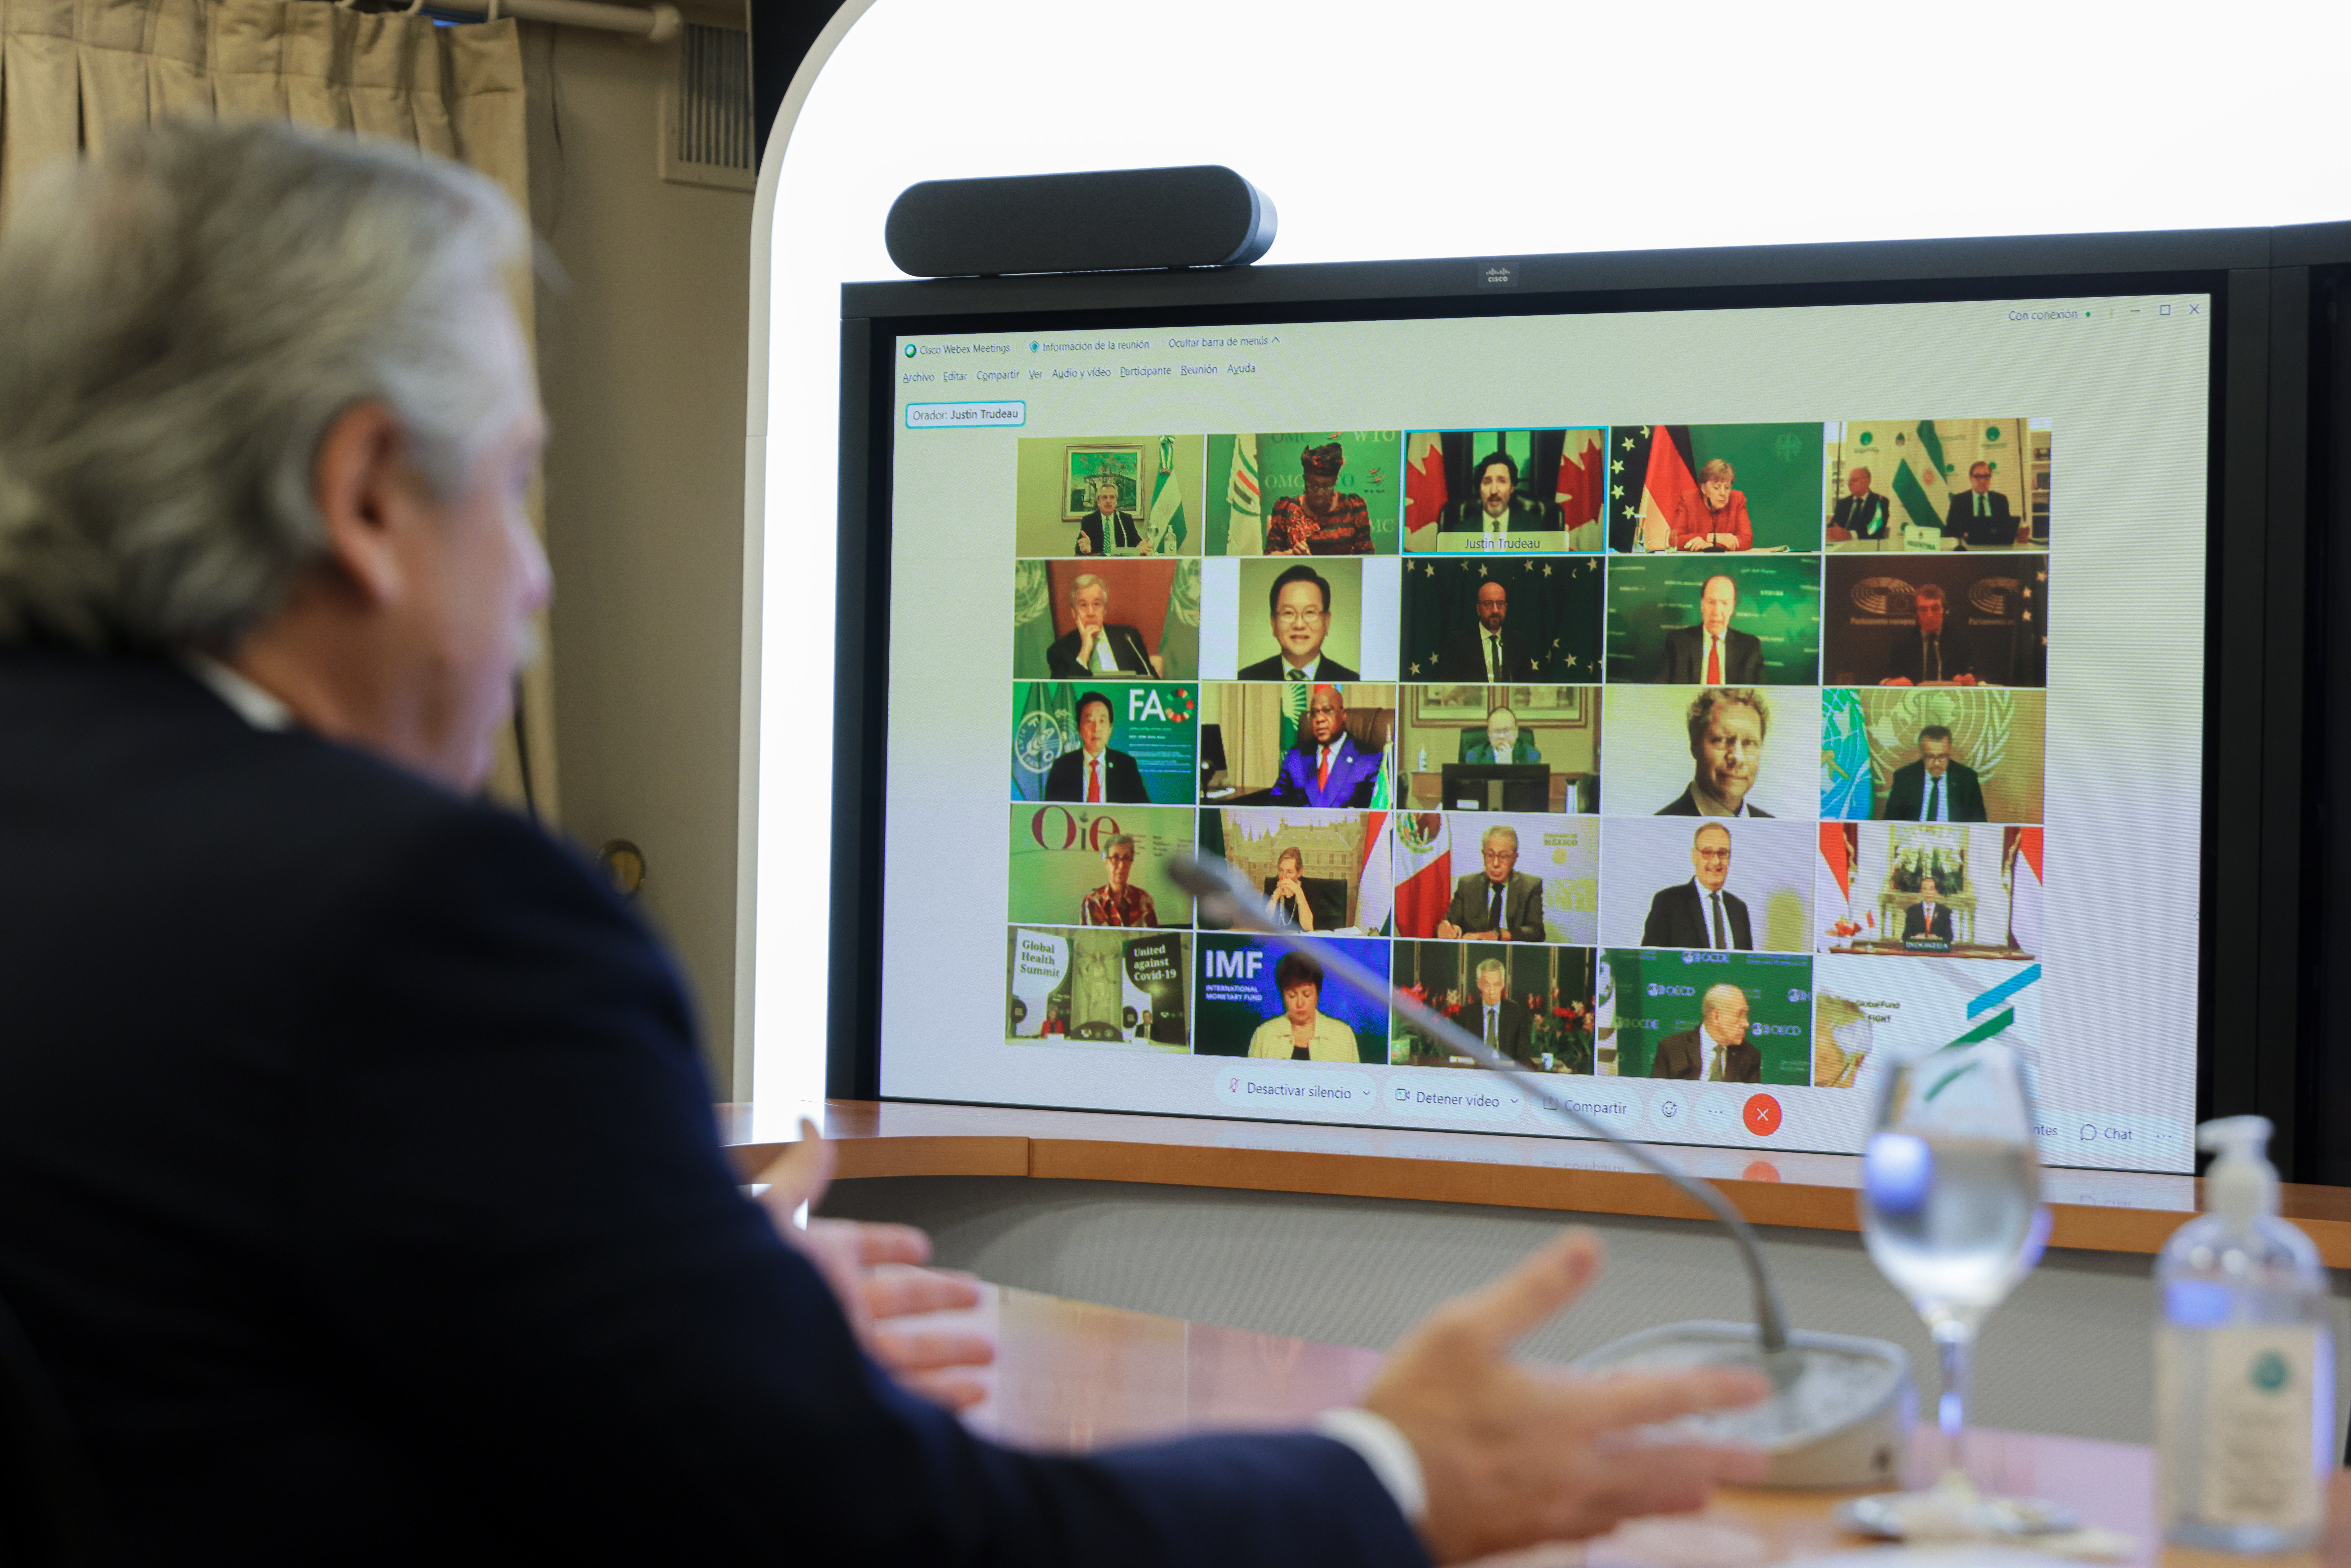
(2247, 687)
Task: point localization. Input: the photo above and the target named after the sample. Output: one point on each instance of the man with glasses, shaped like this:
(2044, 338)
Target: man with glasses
(1935, 788)
(1699, 913)
(1500, 904)
(1979, 517)
(1118, 901)
(1094, 645)
(1301, 603)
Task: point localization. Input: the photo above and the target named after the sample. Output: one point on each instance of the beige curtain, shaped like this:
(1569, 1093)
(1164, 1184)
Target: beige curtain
(73, 72)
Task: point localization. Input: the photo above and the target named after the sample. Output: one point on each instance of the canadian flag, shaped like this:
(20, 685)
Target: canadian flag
(1424, 872)
(1424, 483)
(1375, 895)
(1580, 489)
(2025, 891)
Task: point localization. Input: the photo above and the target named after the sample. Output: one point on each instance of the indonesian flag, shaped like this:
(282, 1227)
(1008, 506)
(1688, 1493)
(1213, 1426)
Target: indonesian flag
(2024, 890)
(1376, 895)
(1424, 483)
(1834, 882)
(1423, 871)
(1245, 534)
(1582, 488)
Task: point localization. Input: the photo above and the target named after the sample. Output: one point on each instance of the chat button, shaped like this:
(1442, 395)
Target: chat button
(1296, 1090)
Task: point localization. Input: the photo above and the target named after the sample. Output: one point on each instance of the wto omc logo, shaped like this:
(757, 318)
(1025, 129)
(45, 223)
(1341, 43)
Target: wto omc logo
(1877, 595)
(1990, 595)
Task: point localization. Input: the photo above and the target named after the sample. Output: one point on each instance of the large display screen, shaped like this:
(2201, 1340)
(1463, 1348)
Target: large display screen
(1699, 705)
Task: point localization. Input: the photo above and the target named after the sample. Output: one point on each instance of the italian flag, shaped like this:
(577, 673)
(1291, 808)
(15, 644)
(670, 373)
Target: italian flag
(2024, 890)
(1166, 517)
(1582, 486)
(1423, 873)
(1245, 533)
(1424, 485)
(1375, 897)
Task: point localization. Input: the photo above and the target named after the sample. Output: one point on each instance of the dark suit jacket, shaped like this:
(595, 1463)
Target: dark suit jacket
(1513, 1026)
(1687, 1054)
(1686, 805)
(1126, 646)
(1997, 531)
(1914, 922)
(1678, 918)
(1684, 663)
(1468, 517)
(1521, 905)
(364, 1202)
(1330, 670)
(1354, 775)
(1864, 516)
(1907, 796)
(1522, 750)
(1122, 780)
(1464, 658)
(1124, 534)
(1907, 658)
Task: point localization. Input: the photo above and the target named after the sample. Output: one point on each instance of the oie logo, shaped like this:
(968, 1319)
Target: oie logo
(1039, 738)
(1876, 595)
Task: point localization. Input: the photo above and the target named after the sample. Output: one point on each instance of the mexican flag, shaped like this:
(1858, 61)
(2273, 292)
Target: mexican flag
(1424, 483)
(1423, 870)
(1833, 883)
(1375, 896)
(1166, 527)
(1581, 487)
(2024, 890)
(1245, 534)
(1649, 475)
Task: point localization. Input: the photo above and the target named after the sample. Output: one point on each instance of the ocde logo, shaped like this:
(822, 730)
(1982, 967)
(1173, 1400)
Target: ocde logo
(1658, 988)
(1773, 1028)
(1796, 995)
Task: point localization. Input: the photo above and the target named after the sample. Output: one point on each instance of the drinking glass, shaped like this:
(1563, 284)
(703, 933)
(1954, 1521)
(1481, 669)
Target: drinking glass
(1950, 1211)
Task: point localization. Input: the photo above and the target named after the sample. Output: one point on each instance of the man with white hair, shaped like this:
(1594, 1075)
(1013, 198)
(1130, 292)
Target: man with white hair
(1498, 903)
(1717, 1050)
(1094, 645)
(364, 1203)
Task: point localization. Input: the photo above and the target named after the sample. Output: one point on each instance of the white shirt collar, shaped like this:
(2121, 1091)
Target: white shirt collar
(248, 701)
(1307, 668)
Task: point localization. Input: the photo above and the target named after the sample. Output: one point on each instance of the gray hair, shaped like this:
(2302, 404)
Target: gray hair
(1719, 998)
(187, 315)
(1118, 841)
(1084, 581)
(1498, 831)
(1493, 967)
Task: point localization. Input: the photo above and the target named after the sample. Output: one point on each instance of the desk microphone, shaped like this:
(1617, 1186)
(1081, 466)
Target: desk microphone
(1841, 1408)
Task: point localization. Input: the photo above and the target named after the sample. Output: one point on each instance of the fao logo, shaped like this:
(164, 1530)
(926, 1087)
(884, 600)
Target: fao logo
(1878, 595)
(1039, 738)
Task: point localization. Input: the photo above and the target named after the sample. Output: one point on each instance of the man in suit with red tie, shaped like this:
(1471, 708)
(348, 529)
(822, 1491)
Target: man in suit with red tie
(1327, 768)
(1927, 919)
(1711, 652)
(1093, 773)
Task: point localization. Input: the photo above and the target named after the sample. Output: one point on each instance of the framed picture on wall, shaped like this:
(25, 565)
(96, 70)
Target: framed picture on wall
(1569, 706)
(1088, 468)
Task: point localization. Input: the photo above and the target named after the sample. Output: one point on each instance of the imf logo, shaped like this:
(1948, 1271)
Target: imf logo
(1039, 738)
(1877, 595)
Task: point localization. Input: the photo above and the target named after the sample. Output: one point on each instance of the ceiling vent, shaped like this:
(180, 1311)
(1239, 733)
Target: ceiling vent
(706, 134)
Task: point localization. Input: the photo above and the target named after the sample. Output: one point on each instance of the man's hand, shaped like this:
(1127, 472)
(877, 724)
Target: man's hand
(1895, 681)
(1086, 637)
(1513, 1455)
(873, 1272)
(1447, 930)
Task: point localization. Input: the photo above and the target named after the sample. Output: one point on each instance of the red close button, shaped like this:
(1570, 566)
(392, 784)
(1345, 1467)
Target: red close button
(1762, 1115)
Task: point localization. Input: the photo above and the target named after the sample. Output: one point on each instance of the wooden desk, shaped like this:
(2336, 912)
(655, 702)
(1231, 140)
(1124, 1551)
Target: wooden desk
(2101, 1211)
(1073, 1377)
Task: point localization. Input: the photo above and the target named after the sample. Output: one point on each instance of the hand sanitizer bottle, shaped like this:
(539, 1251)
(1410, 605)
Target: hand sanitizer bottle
(2244, 1363)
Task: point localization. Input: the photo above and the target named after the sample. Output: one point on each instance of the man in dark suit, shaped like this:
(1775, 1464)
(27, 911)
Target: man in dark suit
(1502, 742)
(1326, 767)
(1927, 920)
(1300, 603)
(1717, 1050)
(1500, 511)
(1935, 788)
(1489, 654)
(1501, 1023)
(1712, 653)
(1728, 727)
(1979, 517)
(1933, 650)
(1500, 904)
(1699, 913)
(272, 718)
(1095, 773)
(1096, 645)
(1859, 513)
(1107, 524)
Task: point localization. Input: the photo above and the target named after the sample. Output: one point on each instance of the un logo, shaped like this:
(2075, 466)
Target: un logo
(1039, 738)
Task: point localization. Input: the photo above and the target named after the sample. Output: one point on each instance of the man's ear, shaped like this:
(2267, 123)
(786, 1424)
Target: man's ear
(363, 486)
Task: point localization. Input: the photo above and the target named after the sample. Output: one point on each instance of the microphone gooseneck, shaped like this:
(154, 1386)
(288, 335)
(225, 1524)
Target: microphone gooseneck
(1228, 899)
